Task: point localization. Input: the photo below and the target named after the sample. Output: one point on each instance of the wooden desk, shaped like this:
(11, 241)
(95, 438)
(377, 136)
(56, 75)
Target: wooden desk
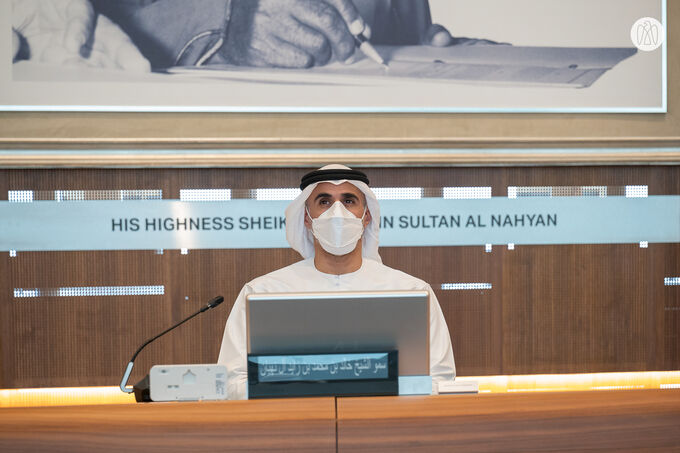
(273, 425)
(635, 420)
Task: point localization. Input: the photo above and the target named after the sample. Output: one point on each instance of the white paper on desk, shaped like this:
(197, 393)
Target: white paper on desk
(458, 386)
(577, 67)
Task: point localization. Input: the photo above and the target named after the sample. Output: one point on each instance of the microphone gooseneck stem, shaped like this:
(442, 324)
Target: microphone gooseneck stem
(123, 383)
(163, 333)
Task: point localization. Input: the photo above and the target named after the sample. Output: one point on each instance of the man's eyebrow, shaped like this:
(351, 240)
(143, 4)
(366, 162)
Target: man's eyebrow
(322, 195)
(345, 195)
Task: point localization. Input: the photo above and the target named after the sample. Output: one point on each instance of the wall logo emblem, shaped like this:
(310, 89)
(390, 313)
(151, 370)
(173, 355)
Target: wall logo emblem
(647, 34)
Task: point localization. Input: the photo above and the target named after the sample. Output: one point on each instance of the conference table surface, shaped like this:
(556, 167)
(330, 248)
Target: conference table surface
(614, 420)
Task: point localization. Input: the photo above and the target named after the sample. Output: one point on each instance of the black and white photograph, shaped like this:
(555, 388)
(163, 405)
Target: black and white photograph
(334, 55)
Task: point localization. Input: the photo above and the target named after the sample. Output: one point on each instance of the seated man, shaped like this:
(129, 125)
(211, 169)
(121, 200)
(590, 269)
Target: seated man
(334, 225)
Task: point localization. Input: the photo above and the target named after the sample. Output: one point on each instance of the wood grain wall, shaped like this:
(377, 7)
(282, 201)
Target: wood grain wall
(552, 309)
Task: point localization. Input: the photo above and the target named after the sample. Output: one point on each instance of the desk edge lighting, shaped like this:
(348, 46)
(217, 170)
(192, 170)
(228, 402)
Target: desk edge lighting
(74, 396)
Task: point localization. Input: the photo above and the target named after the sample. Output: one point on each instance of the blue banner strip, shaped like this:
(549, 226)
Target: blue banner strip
(247, 223)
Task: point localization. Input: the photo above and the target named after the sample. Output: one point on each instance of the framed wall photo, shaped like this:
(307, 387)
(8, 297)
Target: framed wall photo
(216, 56)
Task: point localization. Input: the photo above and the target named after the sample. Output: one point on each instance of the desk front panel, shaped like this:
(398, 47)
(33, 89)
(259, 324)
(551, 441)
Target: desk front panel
(637, 420)
(271, 425)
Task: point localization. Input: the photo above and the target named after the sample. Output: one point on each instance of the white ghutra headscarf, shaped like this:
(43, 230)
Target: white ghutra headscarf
(302, 240)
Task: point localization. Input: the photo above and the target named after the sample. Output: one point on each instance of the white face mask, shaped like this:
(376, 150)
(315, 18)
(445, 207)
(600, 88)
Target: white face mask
(337, 229)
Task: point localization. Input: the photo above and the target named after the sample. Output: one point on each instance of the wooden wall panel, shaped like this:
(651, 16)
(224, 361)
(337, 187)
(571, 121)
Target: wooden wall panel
(561, 308)
(574, 308)
(669, 314)
(473, 316)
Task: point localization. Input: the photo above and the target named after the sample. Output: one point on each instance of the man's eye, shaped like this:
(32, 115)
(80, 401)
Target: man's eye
(349, 201)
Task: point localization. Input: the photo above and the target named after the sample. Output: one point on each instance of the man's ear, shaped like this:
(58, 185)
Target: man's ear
(308, 221)
(367, 218)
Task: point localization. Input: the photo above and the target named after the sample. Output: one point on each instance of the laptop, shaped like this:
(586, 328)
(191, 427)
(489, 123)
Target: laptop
(342, 322)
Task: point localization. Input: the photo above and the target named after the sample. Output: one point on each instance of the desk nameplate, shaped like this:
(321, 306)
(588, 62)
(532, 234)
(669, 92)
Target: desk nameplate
(272, 376)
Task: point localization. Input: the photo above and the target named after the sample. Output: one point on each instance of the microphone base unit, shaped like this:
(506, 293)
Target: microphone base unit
(142, 391)
(196, 382)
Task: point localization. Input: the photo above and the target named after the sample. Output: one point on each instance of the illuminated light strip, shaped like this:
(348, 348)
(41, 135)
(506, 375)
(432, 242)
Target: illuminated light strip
(72, 396)
(586, 191)
(466, 193)
(398, 193)
(671, 281)
(77, 291)
(619, 387)
(205, 194)
(464, 286)
(538, 191)
(283, 194)
(66, 396)
(28, 196)
(636, 191)
(88, 195)
(576, 382)
(568, 191)
(20, 196)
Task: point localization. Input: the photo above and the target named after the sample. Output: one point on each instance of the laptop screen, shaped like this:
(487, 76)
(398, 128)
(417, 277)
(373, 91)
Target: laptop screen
(342, 322)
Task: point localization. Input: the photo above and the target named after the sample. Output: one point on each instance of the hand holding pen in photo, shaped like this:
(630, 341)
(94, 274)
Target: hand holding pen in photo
(362, 36)
(292, 33)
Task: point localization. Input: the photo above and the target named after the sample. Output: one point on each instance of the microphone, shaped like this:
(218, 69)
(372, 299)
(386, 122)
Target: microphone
(123, 383)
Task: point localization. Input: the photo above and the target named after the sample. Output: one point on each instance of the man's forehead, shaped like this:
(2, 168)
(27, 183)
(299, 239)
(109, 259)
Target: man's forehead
(335, 189)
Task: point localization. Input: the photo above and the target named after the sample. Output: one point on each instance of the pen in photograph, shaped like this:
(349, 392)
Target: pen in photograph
(368, 50)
